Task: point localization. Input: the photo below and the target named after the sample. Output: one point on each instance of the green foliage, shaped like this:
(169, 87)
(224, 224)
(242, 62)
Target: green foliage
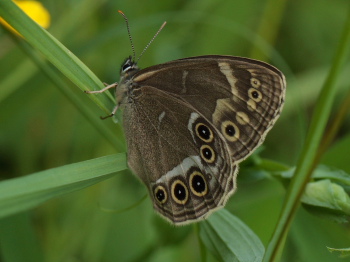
(20, 194)
(229, 239)
(53, 144)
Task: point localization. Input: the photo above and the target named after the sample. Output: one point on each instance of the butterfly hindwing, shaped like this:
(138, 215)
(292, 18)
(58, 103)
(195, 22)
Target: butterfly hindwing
(179, 155)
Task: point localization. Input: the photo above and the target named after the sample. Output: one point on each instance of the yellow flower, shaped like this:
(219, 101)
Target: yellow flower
(35, 10)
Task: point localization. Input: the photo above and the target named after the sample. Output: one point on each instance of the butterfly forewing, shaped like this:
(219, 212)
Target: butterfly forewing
(241, 97)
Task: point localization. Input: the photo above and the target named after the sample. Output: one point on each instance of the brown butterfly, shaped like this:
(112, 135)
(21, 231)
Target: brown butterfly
(190, 122)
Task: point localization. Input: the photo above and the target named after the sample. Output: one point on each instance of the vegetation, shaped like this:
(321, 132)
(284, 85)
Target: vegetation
(65, 190)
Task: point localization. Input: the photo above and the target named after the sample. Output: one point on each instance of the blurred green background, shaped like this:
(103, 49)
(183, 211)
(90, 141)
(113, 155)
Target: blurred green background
(41, 129)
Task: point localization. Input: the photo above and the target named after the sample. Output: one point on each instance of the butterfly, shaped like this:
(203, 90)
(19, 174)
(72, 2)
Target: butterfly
(190, 122)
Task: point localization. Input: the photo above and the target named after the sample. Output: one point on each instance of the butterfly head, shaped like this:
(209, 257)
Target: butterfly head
(128, 69)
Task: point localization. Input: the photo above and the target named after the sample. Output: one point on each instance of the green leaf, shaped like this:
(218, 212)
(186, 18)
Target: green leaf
(334, 174)
(329, 200)
(327, 196)
(26, 192)
(344, 252)
(229, 239)
(321, 172)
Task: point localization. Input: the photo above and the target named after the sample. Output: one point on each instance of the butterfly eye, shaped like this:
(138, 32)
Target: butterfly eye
(198, 184)
(207, 153)
(160, 194)
(255, 95)
(230, 131)
(204, 133)
(126, 67)
(255, 82)
(179, 192)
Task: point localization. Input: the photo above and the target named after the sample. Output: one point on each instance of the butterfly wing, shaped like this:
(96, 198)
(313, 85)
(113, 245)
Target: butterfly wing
(188, 124)
(241, 97)
(178, 154)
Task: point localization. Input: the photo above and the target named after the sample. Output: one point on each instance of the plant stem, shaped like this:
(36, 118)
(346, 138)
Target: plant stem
(307, 158)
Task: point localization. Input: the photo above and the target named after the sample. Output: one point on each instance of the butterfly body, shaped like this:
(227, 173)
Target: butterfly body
(190, 122)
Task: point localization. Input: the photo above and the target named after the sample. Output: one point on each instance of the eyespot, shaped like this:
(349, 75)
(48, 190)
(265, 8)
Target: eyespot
(204, 132)
(255, 94)
(230, 131)
(255, 82)
(179, 192)
(198, 184)
(160, 194)
(207, 153)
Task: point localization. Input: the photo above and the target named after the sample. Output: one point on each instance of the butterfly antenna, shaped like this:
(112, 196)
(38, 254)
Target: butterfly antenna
(154, 37)
(130, 38)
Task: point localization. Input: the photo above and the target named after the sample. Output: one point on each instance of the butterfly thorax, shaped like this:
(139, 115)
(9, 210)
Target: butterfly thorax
(124, 89)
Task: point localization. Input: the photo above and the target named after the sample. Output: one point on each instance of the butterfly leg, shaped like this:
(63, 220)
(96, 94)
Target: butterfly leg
(114, 85)
(112, 114)
(103, 89)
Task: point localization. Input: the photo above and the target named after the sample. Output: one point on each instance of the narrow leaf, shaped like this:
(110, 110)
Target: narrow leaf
(344, 252)
(229, 239)
(26, 192)
(55, 52)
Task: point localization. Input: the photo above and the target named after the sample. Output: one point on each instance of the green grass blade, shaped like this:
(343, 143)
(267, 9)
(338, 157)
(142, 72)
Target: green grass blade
(55, 52)
(306, 161)
(71, 66)
(62, 27)
(76, 100)
(26, 192)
